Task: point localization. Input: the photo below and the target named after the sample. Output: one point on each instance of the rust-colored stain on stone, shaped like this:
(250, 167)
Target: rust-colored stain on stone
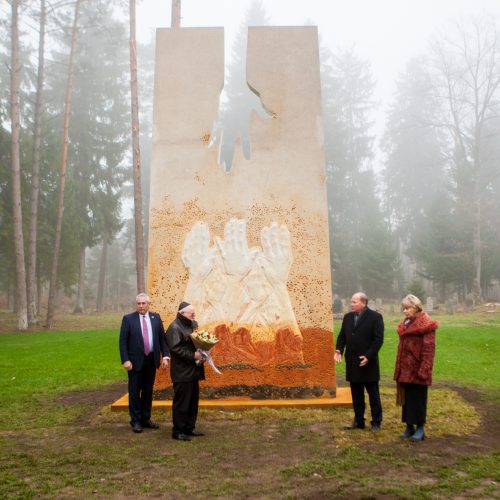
(237, 347)
(205, 138)
(317, 370)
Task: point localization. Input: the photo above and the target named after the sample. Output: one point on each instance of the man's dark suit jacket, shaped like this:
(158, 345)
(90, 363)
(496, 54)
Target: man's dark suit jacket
(364, 339)
(132, 343)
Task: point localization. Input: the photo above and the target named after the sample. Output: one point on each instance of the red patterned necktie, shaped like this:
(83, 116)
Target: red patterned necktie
(145, 336)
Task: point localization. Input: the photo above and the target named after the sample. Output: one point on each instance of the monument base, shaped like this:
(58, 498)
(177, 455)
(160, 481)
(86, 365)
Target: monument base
(342, 400)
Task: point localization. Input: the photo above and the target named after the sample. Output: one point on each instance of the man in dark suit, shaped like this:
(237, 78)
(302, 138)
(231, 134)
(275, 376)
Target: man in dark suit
(362, 335)
(142, 348)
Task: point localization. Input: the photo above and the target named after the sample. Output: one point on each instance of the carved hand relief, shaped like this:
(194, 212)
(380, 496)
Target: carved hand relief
(241, 294)
(237, 101)
(233, 122)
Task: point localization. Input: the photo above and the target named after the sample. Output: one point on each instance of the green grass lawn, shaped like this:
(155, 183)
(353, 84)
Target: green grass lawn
(466, 354)
(35, 367)
(53, 447)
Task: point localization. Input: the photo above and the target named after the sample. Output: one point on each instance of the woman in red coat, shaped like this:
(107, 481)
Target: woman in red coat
(413, 372)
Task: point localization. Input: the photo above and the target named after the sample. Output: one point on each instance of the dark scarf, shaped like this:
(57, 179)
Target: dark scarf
(185, 321)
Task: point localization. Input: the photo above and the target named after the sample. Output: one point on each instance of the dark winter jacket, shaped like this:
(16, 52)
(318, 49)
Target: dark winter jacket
(183, 367)
(364, 339)
(417, 344)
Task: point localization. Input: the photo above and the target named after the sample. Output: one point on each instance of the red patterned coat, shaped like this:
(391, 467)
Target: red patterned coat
(417, 344)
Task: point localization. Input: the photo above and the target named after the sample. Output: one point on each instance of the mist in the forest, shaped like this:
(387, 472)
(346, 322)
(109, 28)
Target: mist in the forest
(411, 101)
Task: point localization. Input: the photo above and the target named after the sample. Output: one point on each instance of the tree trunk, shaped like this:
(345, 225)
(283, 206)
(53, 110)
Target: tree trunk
(39, 287)
(102, 277)
(35, 171)
(9, 292)
(62, 176)
(176, 14)
(118, 294)
(17, 214)
(136, 157)
(476, 247)
(80, 294)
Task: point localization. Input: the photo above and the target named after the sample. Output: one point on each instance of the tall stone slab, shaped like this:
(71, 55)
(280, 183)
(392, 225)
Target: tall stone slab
(249, 247)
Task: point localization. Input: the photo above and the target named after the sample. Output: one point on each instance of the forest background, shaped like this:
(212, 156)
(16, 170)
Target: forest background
(415, 208)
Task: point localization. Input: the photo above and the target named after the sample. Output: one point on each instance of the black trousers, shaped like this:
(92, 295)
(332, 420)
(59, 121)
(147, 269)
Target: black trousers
(415, 405)
(358, 401)
(140, 391)
(185, 406)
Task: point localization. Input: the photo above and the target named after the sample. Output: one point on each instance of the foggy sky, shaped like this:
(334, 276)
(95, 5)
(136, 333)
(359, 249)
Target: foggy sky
(385, 32)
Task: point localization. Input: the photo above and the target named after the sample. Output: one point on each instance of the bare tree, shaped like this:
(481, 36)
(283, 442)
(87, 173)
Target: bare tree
(176, 14)
(136, 156)
(62, 173)
(468, 85)
(17, 214)
(35, 173)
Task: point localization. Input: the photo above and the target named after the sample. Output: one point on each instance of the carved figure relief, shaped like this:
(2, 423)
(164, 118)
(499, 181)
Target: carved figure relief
(237, 101)
(241, 295)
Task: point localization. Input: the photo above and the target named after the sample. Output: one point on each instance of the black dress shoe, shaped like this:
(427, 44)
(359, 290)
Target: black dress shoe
(354, 425)
(181, 437)
(195, 433)
(150, 425)
(375, 428)
(136, 427)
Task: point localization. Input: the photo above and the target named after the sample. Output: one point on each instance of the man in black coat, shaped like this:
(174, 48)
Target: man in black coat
(142, 348)
(186, 370)
(362, 335)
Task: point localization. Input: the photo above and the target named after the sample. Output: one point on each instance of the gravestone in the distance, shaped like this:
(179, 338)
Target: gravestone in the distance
(429, 305)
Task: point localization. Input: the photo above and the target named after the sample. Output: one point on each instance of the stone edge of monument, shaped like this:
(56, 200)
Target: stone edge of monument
(343, 399)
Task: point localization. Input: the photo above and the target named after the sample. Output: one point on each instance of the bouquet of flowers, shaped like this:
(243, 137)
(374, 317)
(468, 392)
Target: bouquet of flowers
(204, 341)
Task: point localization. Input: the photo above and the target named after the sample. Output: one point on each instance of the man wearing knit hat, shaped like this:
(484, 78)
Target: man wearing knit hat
(186, 370)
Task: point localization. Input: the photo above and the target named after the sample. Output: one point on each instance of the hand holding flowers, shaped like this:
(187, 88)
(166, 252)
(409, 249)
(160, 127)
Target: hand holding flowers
(204, 341)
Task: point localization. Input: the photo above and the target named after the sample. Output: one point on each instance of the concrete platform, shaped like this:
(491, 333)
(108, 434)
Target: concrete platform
(343, 400)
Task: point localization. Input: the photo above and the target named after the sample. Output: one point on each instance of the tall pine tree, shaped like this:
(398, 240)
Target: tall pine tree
(363, 251)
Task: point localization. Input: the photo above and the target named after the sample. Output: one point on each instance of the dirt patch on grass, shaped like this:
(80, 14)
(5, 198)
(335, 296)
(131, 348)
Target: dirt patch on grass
(95, 401)
(262, 453)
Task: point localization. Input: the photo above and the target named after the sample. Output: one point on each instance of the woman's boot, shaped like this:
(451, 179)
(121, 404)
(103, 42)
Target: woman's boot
(419, 434)
(408, 432)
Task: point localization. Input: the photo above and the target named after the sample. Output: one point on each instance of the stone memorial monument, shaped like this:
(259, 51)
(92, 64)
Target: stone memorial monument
(248, 245)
